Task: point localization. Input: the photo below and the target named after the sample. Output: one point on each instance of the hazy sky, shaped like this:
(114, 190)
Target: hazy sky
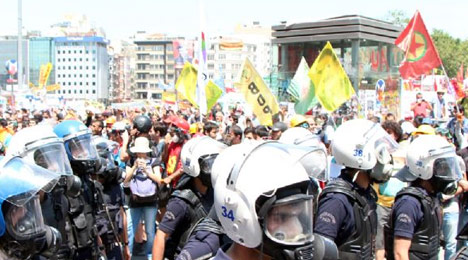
(122, 18)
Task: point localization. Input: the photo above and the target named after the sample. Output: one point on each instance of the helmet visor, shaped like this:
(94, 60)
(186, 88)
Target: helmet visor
(379, 137)
(82, 148)
(447, 168)
(17, 176)
(289, 221)
(206, 163)
(25, 221)
(53, 157)
(313, 159)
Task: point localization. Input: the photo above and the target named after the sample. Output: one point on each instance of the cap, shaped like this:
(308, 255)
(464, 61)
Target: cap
(279, 126)
(424, 130)
(408, 127)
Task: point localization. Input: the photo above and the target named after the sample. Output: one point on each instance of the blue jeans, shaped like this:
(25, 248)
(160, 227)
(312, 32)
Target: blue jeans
(450, 230)
(129, 230)
(149, 216)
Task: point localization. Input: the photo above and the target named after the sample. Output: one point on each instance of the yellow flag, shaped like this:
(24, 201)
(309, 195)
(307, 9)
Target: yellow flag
(332, 85)
(42, 72)
(257, 94)
(212, 92)
(169, 97)
(54, 87)
(186, 84)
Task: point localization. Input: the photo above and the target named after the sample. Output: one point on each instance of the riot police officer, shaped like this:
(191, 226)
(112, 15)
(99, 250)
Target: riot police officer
(41, 146)
(264, 203)
(83, 208)
(23, 233)
(413, 230)
(191, 200)
(346, 211)
(111, 218)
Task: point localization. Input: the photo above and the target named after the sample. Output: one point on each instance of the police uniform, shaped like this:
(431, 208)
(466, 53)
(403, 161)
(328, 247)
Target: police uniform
(207, 238)
(83, 209)
(114, 201)
(184, 210)
(416, 216)
(346, 214)
(54, 211)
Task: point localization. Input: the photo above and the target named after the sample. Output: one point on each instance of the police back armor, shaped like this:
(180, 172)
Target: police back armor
(82, 213)
(426, 239)
(361, 243)
(196, 212)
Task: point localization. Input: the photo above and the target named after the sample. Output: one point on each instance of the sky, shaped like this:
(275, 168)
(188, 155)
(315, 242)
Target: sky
(122, 18)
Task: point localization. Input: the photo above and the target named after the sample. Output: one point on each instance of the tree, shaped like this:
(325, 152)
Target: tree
(452, 51)
(397, 17)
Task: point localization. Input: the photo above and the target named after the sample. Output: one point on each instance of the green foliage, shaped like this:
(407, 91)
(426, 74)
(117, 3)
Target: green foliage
(397, 17)
(452, 51)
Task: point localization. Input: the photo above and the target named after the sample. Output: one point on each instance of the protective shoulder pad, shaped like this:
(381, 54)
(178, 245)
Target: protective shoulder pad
(188, 196)
(339, 186)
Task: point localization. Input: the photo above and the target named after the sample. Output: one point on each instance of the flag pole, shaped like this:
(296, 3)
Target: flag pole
(454, 91)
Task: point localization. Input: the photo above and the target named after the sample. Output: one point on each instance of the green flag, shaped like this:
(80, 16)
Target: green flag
(301, 89)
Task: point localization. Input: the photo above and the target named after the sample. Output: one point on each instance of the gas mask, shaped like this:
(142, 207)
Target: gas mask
(382, 170)
(288, 227)
(26, 235)
(445, 175)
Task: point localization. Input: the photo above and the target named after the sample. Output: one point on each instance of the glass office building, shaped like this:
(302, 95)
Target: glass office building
(41, 52)
(9, 51)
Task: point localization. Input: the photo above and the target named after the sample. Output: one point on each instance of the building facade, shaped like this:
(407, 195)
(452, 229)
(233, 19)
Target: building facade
(82, 68)
(154, 66)
(122, 70)
(227, 53)
(9, 51)
(42, 51)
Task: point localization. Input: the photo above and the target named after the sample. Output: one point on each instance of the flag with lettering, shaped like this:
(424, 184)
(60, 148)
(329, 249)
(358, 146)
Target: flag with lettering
(420, 52)
(263, 103)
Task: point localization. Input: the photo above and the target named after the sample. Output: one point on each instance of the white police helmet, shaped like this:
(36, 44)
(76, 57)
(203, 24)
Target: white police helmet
(362, 144)
(257, 182)
(303, 137)
(198, 155)
(40, 145)
(430, 155)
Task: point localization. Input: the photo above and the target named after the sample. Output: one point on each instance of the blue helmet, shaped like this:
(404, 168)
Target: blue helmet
(23, 232)
(79, 146)
(20, 182)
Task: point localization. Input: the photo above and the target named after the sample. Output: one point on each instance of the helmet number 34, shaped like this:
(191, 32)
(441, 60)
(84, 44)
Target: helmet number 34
(357, 153)
(227, 214)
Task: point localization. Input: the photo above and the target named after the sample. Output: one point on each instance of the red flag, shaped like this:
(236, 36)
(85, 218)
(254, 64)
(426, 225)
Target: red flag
(420, 53)
(460, 74)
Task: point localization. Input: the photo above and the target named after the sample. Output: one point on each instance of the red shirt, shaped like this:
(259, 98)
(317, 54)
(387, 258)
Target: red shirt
(421, 109)
(174, 155)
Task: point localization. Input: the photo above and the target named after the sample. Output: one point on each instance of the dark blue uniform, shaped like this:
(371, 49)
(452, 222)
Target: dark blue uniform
(407, 213)
(175, 222)
(335, 216)
(202, 245)
(114, 200)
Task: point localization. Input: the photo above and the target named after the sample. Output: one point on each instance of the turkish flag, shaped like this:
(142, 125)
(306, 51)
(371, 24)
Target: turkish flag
(420, 53)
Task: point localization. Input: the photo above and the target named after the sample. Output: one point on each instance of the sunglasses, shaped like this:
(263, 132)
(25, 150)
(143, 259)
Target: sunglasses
(304, 125)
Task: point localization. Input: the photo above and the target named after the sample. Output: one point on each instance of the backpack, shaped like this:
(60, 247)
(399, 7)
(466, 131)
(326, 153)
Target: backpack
(143, 188)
